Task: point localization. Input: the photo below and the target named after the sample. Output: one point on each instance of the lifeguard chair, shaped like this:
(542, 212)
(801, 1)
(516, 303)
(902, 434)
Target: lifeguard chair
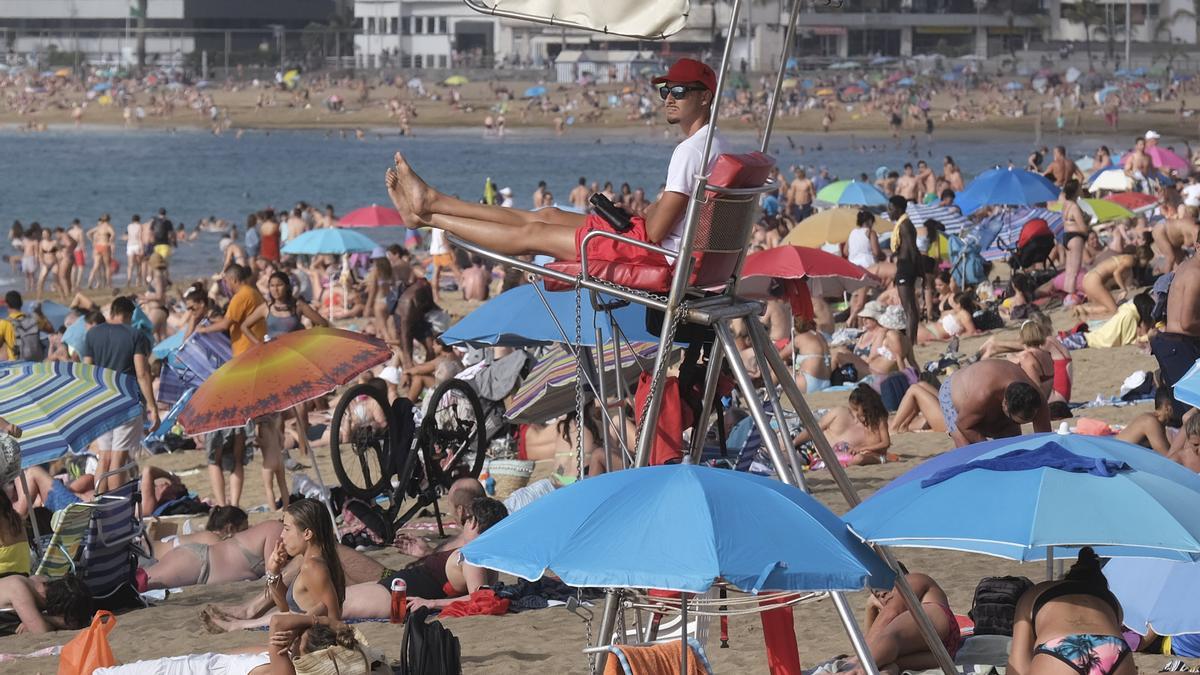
(696, 298)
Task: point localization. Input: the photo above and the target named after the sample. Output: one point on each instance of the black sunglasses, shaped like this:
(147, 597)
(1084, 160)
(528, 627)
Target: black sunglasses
(679, 91)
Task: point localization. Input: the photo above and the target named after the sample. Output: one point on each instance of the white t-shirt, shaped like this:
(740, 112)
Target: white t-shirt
(437, 242)
(681, 175)
(134, 231)
(1191, 195)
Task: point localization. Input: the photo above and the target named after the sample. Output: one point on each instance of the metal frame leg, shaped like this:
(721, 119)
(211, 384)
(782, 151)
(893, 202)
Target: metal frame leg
(856, 637)
(761, 342)
(928, 631)
(711, 376)
(771, 439)
(612, 605)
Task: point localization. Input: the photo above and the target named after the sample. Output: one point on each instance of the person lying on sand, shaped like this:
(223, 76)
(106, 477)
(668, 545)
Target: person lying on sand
(1148, 429)
(857, 431)
(43, 605)
(987, 399)
(46, 490)
(257, 611)
(462, 493)
(1185, 450)
(435, 580)
(893, 638)
(210, 558)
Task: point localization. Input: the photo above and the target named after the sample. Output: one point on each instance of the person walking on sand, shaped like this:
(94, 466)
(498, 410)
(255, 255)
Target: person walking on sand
(688, 92)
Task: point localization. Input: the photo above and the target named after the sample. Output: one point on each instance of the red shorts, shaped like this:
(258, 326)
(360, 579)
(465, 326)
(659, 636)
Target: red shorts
(612, 250)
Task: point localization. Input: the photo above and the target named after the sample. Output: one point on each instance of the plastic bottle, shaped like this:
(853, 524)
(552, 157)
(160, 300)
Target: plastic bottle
(399, 600)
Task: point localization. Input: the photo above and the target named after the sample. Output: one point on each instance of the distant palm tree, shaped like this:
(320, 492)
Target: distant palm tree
(1090, 14)
(1164, 24)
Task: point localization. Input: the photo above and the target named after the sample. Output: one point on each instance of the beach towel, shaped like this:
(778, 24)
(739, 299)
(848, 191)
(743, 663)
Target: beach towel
(1049, 456)
(657, 659)
(779, 632)
(482, 602)
(668, 436)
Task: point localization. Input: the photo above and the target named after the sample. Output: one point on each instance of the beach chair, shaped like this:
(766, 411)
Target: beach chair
(108, 556)
(69, 527)
(653, 658)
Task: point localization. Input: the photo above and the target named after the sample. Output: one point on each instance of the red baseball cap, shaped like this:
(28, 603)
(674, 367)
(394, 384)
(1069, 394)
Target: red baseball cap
(689, 70)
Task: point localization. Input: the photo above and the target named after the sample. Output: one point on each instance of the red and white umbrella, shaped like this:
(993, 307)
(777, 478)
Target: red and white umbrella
(372, 216)
(825, 274)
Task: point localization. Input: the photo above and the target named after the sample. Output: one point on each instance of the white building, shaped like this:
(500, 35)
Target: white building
(1161, 21)
(423, 34)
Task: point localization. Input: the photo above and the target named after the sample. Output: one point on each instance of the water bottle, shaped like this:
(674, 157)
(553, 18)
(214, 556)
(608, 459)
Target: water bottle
(399, 600)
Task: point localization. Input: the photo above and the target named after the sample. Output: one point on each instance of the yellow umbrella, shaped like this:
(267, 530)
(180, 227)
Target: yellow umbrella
(105, 100)
(824, 92)
(789, 83)
(62, 72)
(455, 80)
(830, 226)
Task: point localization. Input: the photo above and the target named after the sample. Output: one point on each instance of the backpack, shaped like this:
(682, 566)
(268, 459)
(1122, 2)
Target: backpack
(994, 607)
(428, 648)
(28, 339)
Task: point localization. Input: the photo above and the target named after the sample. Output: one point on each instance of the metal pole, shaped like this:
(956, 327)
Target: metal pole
(856, 636)
(928, 631)
(683, 634)
(725, 338)
(602, 395)
(700, 428)
(604, 639)
(788, 37)
(683, 261)
(228, 47)
(1049, 563)
(762, 346)
(1128, 36)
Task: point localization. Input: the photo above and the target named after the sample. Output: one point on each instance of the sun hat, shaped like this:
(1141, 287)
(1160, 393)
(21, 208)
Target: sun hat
(872, 310)
(378, 252)
(894, 318)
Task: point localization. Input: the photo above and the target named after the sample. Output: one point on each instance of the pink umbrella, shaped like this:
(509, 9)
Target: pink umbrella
(372, 216)
(827, 274)
(1164, 159)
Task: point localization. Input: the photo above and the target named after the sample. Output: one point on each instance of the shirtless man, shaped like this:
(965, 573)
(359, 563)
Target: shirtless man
(1185, 451)
(1138, 165)
(102, 237)
(1177, 346)
(952, 174)
(1075, 234)
(1149, 429)
(987, 399)
(907, 185)
(638, 204)
(1177, 231)
(48, 252)
(1063, 168)
(463, 492)
(296, 223)
(77, 235)
(800, 197)
(476, 280)
(926, 180)
(580, 194)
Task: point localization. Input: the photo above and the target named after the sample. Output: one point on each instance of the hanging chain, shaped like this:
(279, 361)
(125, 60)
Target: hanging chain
(588, 628)
(622, 635)
(579, 367)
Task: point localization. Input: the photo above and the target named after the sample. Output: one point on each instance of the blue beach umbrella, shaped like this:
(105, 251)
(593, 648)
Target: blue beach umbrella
(692, 529)
(1160, 595)
(534, 92)
(62, 406)
(1056, 490)
(1187, 389)
(851, 193)
(518, 318)
(1005, 187)
(905, 82)
(1014, 86)
(330, 240)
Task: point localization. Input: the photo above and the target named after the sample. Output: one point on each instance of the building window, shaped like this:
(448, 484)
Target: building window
(418, 25)
(393, 21)
(405, 25)
(1152, 10)
(441, 60)
(371, 25)
(442, 25)
(417, 61)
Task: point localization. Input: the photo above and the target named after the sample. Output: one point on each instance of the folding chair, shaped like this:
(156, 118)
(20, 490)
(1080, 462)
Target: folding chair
(110, 546)
(69, 526)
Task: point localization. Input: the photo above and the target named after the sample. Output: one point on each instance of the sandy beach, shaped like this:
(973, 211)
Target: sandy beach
(549, 641)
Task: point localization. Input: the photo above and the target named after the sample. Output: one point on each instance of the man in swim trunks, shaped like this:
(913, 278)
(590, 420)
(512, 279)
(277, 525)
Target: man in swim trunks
(688, 90)
(991, 399)
(800, 196)
(79, 257)
(1177, 346)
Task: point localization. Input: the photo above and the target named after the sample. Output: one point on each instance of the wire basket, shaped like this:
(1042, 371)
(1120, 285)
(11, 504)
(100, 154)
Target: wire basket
(510, 475)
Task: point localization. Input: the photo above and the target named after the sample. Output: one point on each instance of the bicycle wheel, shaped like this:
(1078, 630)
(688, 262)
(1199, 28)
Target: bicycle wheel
(362, 442)
(453, 430)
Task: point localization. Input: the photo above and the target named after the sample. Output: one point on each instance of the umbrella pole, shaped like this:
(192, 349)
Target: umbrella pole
(37, 536)
(856, 637)
(1049, 563)
(928, 631)
(604, 639)
(317, 471)
(331, 299)
(683, 635)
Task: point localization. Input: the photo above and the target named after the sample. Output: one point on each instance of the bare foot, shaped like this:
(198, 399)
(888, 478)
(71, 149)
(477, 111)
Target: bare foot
(419, 195)
(210, 622)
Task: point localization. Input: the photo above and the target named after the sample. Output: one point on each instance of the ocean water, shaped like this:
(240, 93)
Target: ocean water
(59, 175)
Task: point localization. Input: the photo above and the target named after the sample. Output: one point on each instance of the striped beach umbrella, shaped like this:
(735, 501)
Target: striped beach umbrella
(949, 216)
(851, 193)
(62, 406)
(998, 234)
(549, 389)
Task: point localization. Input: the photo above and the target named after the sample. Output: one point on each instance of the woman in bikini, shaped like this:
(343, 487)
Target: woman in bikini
(878, 351)
(48, 252)
(227, 551)
(857, 431)
(954, 322)
(1034, 359)
(1074, 622)
(1075, 233)
(1060, 356)
(811, 354)
(892, 635)
(320, 587)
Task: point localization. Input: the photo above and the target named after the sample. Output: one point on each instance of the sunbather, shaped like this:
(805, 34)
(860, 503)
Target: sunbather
(46, 490)
(1074, 622)
(44, 605)
(857, 431)
(893, 638)
(1148, 429)
(435, 580)
(1185, 450)
(212, 559)
(462, 493)
(158, 487)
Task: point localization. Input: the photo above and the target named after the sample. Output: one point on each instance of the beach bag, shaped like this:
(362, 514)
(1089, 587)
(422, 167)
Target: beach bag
(89, 650)
(995, 604)
(428, 648)
(29, 342)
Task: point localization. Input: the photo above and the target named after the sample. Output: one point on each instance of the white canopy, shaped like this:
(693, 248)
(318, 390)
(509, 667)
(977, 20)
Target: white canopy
(631, 18)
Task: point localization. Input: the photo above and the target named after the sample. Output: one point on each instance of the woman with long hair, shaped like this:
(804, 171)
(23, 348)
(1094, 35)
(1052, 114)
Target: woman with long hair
(14, 545)
(1075, 621)
(320, 587)
(380, 284)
